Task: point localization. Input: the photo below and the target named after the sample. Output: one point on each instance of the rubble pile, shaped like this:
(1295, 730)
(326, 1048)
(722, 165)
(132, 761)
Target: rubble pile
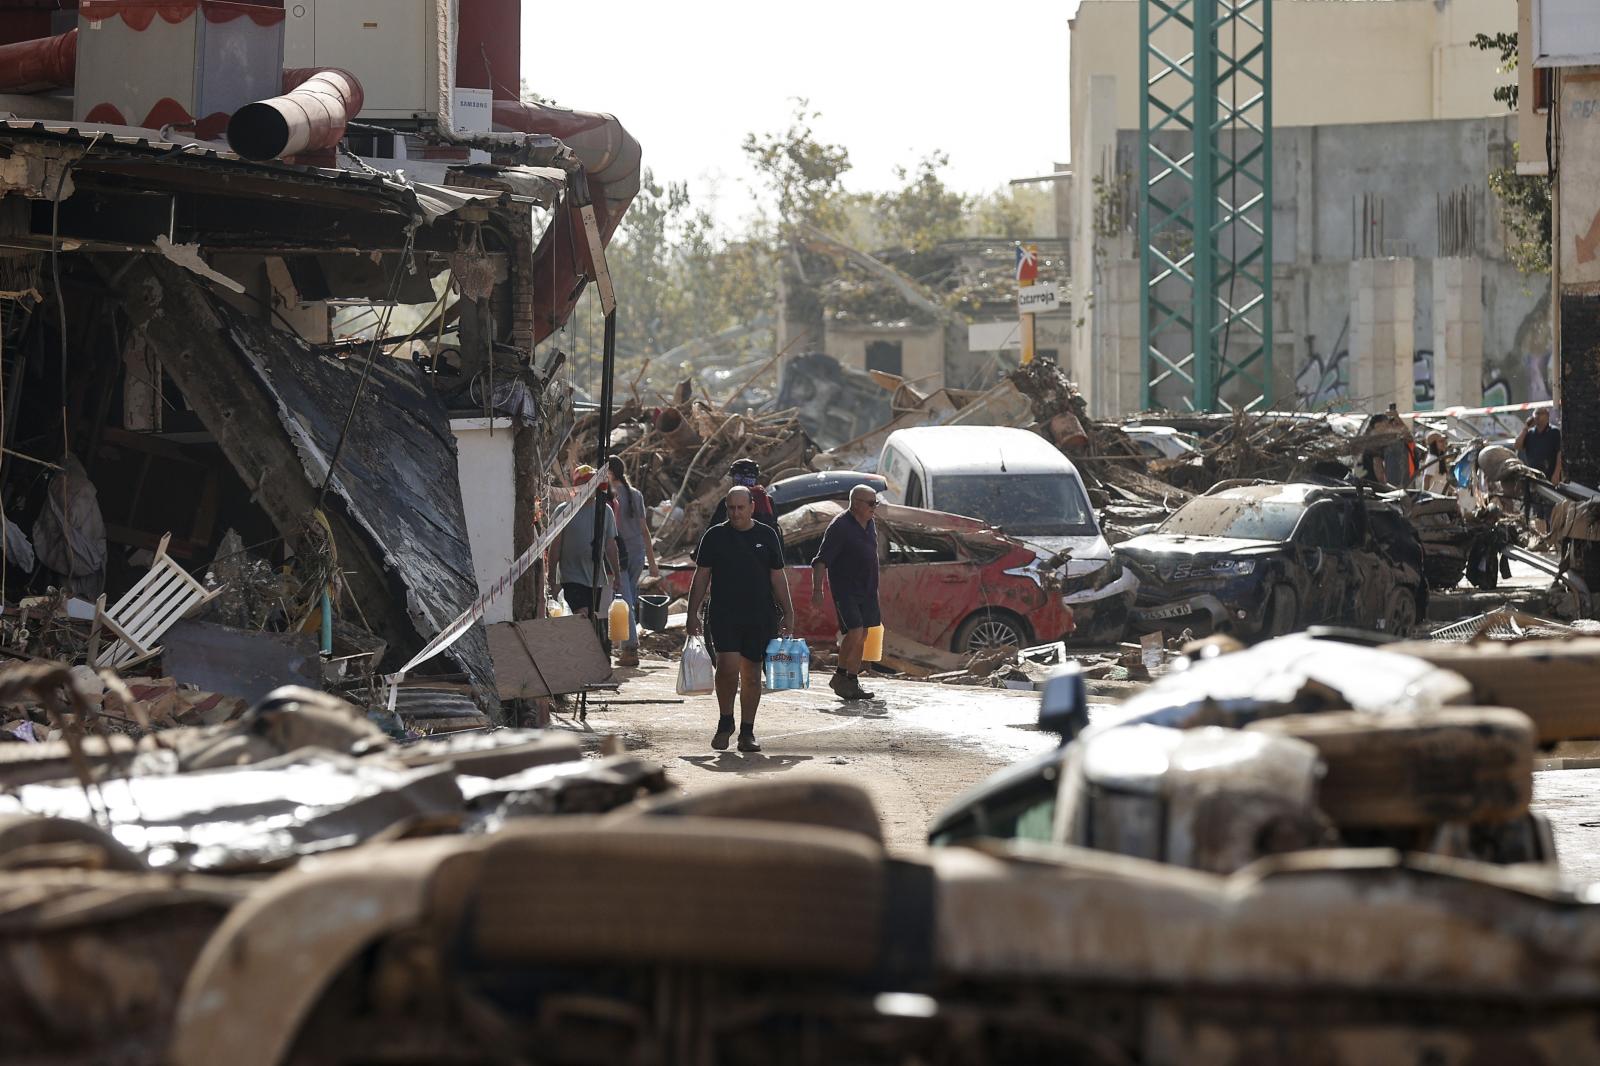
(1123, 487)
(681, 454)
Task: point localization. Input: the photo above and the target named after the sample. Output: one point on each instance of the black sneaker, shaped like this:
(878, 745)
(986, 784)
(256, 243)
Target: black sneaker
(840, 683)
(748, 741)
(724, 734)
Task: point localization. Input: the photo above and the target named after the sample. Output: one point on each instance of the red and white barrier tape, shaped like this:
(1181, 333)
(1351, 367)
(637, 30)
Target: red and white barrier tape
(1505, 408)
(466, 619)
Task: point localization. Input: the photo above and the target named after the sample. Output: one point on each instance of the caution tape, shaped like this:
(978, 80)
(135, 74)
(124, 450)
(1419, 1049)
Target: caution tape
(468, 618)
(1501, 409)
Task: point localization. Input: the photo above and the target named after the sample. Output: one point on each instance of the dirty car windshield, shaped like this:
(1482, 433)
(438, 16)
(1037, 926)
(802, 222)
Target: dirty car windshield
(1024, 505)
(1246, 519)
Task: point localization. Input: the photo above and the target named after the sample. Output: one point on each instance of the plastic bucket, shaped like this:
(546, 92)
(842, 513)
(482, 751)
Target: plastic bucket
(653, 612)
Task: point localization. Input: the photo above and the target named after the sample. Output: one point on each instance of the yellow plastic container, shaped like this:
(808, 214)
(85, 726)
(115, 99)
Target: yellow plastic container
(873, 652)
(617, 620)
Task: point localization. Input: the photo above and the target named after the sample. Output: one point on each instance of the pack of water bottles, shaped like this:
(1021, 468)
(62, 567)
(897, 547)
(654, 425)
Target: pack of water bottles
(788, 664)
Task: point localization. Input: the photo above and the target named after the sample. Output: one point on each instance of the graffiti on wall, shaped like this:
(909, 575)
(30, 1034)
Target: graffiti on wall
(1323, 382)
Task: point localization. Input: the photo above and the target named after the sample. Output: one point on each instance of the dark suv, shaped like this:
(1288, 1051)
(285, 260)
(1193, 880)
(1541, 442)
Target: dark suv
(1262, 559)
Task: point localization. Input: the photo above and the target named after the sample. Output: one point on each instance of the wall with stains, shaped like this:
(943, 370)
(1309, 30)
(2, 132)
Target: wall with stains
(1415, 189)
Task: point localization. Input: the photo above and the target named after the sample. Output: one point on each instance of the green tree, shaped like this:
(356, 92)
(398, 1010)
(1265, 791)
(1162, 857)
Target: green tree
(1524, 198)
(923, 211)
(803, 174)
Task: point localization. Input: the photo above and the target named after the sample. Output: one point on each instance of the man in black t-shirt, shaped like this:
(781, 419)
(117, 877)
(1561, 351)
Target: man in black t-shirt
(742, 559)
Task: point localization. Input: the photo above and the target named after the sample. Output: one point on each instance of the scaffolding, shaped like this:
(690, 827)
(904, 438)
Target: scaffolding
(1205, 204)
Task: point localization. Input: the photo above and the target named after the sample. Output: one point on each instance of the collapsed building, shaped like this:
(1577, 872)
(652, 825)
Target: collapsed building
(263, 272)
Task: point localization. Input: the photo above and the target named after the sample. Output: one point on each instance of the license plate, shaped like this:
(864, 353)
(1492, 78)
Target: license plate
(1161, 614)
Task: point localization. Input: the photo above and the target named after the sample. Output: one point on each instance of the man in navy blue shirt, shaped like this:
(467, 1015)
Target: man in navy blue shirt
(849, 557)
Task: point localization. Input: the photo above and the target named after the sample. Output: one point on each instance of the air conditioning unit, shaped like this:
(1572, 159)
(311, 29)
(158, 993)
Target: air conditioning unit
(401, 51)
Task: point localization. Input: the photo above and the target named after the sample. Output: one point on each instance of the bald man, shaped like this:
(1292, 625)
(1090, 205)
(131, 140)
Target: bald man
(848, 557)
(741, 557)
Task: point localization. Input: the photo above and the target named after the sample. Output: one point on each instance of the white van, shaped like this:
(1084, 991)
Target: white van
(1021, 483)
(1009, 478)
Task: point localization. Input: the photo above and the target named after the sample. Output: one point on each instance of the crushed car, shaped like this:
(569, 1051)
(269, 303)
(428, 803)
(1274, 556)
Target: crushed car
(944, 580)
(1260, 559)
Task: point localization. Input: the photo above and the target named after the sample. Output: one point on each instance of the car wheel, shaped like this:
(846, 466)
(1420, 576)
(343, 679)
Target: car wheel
(988, 630)
(1282, 611)
(1402, 614)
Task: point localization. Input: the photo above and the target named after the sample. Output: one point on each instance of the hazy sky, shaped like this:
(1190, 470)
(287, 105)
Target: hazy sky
(893, 80)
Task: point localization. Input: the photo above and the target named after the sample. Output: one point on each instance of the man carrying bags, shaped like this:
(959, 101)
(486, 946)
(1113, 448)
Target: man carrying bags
(741, 558)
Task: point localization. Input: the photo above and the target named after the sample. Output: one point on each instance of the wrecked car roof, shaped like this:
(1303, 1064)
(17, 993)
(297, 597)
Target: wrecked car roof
(1293, 673)
(982, 450)
(815, 516)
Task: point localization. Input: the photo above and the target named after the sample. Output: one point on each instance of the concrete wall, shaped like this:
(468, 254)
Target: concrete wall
(1343, 193)
(921, 349)
(1334, 61)
(488, 493)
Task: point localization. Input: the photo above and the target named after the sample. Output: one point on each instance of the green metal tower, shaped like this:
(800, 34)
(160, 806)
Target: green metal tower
(1205, 203)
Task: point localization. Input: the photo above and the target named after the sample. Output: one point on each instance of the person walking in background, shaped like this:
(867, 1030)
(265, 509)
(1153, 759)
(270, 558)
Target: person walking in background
(635, 534)
(746, 473)
(1539, 444)
(849, 557)
(740, 559)
(572, 551)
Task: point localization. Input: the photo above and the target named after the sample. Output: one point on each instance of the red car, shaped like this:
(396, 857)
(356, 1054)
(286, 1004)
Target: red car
(943, 580)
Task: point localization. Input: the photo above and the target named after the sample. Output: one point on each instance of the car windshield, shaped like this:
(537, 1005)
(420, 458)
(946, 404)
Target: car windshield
(1023, 505)
(1232, 516)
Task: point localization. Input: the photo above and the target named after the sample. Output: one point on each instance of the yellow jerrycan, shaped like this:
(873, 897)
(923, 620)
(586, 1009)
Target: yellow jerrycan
(873, 652)
(617, 620)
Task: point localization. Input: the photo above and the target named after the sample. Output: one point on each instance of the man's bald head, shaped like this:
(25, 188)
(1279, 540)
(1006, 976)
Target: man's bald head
(741, 507)
(863, 501)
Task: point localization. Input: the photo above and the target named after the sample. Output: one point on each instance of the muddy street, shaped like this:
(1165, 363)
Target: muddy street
(913, 748)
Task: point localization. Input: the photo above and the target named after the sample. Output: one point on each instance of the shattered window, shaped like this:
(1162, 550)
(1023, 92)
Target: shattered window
(1023, 505)
(913, 547)
(1324, 527)
(1231, 516)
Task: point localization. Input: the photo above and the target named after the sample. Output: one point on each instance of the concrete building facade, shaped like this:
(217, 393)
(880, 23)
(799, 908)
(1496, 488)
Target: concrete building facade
(1385, 132)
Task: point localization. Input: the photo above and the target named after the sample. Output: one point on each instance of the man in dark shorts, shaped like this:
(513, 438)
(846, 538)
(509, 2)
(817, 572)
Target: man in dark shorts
(849, 556)
(741, 558)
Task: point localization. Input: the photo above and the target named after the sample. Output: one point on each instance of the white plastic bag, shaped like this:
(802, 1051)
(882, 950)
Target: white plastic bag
(695, 672)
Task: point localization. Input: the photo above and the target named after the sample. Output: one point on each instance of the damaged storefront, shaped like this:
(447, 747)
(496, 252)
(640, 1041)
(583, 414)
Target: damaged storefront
(246, 360)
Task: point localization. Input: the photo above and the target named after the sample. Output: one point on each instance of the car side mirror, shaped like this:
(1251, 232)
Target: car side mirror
(1064, 705)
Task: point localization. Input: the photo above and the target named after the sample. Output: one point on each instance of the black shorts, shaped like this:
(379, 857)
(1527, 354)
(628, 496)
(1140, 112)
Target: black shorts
(743, 635)
(579, 597)
(857, 612)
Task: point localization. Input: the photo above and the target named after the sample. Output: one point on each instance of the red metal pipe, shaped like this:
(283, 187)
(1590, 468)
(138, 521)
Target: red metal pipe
(45, 63)
(610, 157)
(310, 116)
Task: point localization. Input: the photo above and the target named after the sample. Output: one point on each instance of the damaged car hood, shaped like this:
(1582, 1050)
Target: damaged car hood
(1184, 544)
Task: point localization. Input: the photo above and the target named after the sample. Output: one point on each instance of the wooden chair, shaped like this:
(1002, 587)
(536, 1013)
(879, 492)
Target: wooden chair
(164, 595)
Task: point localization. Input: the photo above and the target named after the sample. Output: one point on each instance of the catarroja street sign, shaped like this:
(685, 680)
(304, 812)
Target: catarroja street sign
(1037, 299)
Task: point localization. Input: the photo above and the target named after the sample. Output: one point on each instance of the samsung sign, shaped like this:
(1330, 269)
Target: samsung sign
(1566, 33)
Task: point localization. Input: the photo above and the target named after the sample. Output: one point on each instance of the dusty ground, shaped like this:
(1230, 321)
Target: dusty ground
(914, 748)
